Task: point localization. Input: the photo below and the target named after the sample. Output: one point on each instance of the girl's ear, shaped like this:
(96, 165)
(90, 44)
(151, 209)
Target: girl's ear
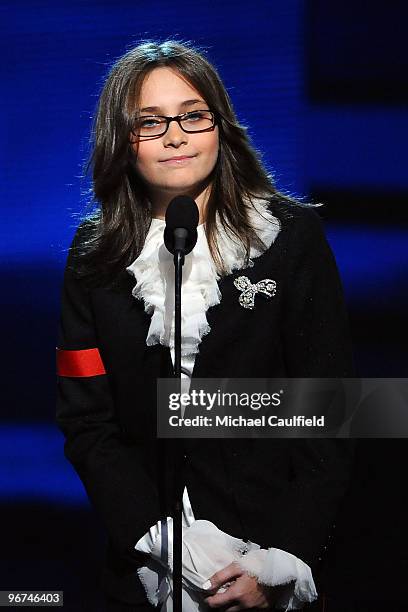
(132, 150)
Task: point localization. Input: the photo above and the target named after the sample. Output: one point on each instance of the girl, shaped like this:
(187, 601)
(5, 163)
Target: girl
(257, 513)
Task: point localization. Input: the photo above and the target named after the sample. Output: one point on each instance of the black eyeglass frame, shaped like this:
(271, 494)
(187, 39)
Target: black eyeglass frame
(178, 118)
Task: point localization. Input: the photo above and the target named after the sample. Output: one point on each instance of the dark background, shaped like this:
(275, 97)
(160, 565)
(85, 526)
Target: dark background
(322, 88)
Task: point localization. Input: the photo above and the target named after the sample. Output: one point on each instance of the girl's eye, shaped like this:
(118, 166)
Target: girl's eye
(194, 116)
(148, 123)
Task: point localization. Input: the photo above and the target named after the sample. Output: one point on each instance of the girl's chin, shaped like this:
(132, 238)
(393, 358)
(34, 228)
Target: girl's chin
(181, 187)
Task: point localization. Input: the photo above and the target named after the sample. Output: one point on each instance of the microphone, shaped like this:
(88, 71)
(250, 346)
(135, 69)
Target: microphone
(180, 233)
(180, 237)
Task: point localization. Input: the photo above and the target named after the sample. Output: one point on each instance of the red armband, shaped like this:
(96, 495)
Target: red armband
(87, 362)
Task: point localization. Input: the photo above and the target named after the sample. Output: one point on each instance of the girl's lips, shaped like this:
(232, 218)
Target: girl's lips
(176, 161)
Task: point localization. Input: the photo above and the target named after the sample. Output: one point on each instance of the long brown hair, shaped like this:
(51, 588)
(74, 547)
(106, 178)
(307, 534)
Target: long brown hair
(117, 229)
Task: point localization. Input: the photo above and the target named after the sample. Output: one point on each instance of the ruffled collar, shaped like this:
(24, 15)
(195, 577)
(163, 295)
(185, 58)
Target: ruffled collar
(153, 270)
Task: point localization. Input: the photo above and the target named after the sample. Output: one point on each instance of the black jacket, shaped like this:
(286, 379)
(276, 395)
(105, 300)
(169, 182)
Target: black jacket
(277, 492)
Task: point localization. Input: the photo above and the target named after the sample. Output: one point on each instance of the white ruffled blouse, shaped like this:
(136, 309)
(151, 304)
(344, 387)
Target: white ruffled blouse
(206, 549)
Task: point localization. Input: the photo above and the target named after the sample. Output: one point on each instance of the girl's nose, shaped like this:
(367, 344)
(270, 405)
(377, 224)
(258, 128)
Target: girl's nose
(174, 135)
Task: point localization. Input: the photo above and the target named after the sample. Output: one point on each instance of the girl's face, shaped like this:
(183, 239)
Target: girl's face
(170, 95)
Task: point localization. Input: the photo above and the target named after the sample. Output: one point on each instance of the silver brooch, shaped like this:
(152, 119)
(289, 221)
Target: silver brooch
(247, 298)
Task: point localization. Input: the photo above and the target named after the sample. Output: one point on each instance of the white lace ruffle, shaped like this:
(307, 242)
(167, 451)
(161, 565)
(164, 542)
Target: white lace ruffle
(274, 567)
(206, 550)
(154, 273)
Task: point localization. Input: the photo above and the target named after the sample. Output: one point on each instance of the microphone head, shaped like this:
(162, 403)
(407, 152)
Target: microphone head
(182, 212)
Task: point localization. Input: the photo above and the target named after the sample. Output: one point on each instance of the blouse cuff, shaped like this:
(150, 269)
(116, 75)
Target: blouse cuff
(274, 567)
(151, 542)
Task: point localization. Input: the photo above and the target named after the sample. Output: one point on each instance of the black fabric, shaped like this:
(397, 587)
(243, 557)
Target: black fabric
(113, 605)
(281, 493)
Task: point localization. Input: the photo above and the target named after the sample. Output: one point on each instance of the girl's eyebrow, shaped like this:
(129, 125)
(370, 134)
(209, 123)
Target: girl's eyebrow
(182, 105)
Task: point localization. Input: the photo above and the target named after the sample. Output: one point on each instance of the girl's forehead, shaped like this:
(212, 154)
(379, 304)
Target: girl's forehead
(166, 84)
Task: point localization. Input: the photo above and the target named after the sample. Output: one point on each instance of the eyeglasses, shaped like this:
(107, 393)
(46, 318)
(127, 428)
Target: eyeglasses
(153, 126)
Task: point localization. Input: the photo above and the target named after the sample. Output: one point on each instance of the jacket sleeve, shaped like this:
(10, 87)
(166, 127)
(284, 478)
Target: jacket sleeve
(317, 343)
(110, 469)
(316, 331)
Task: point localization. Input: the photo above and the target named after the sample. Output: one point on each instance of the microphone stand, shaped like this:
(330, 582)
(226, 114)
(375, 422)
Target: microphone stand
(178, 447)
(180, 236)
